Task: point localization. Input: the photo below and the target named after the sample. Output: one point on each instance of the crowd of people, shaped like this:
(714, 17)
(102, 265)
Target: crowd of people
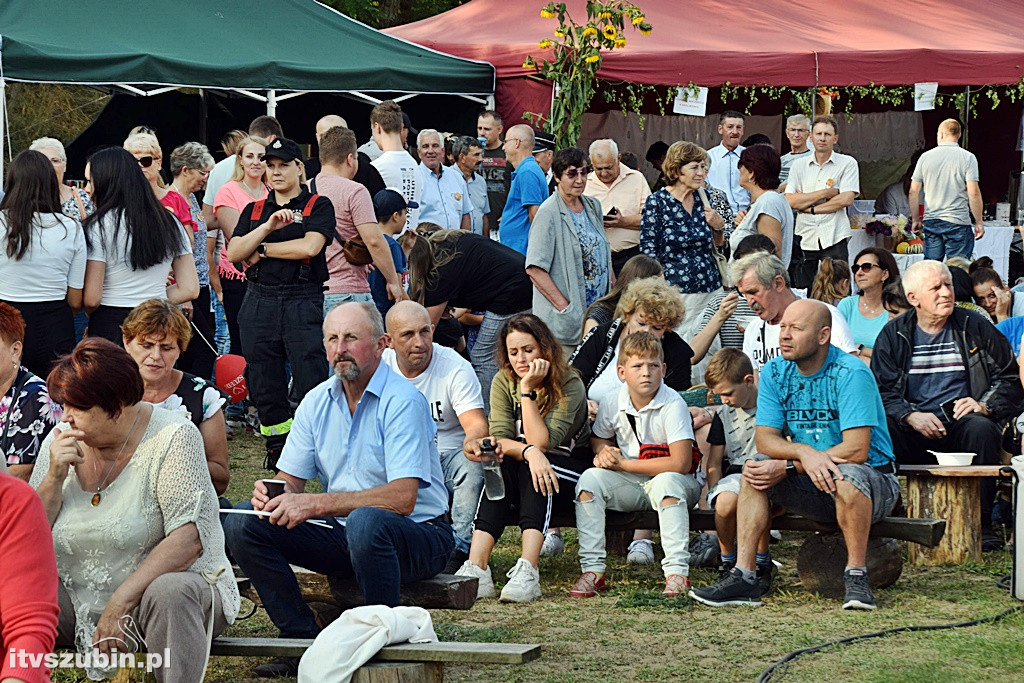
(430, 309)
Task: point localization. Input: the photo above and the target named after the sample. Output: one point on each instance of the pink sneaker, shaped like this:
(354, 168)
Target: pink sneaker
(588, 585)
(676, 584)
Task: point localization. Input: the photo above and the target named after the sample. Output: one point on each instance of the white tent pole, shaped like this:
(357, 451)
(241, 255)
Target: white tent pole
(271, 103)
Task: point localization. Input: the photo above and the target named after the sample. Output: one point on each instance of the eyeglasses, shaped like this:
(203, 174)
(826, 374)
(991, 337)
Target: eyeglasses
(866, 267)
(146, 161)
(574, 173)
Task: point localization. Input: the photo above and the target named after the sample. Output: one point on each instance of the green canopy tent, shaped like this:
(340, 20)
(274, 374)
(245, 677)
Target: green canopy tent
(269, 50)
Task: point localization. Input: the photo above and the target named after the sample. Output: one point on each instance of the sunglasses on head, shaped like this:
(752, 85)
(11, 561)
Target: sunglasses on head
(146, 161)
(866, 267)
(574, 173)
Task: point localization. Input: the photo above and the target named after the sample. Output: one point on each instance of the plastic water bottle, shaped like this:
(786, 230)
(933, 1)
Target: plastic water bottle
(494, 484)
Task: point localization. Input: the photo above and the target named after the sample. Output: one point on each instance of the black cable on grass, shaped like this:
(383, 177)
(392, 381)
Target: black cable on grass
(778, 669)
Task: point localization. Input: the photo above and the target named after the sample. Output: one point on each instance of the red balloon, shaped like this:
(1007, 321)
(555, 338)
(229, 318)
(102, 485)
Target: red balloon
(230, 373)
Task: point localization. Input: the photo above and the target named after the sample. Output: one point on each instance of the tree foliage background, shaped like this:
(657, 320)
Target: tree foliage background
(63, 111)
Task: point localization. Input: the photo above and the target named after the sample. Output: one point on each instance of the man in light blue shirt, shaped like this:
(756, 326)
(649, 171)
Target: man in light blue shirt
(367, 434)
(724, 173)
(469, 154)
(528, 191)
(444, 197)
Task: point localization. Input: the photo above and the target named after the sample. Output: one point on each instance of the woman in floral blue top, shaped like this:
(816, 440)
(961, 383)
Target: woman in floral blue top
(679, 230)
(27, 415)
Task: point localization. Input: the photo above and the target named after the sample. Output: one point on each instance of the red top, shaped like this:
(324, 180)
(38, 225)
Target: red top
(179, 207)
(28, 593)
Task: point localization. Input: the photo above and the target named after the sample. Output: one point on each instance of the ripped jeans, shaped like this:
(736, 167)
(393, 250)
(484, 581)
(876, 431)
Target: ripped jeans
(628, 492)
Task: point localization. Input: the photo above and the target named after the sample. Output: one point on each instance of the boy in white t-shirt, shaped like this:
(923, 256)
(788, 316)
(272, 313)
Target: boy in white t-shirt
(730, 374)
(649, 469)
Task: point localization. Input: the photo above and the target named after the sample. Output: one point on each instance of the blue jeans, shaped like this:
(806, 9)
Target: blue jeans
(332, 300)
(221, 333)
(465, 481)
(943, 240)
(380, 548)
(482, 355)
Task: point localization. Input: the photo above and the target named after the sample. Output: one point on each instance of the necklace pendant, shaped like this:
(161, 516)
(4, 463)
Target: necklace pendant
(96, 499)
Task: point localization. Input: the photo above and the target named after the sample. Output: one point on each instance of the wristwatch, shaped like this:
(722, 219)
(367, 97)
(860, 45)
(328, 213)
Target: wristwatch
(261, 249)
(790, 467)
(812, 209)
(532, 395)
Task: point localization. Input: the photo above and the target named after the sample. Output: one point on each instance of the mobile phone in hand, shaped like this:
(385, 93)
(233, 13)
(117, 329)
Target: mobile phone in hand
(947, 409)
(612, 214)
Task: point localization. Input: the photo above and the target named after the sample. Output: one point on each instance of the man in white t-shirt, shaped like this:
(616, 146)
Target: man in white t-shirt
(396, 167)
(763, 281)
(451, 388)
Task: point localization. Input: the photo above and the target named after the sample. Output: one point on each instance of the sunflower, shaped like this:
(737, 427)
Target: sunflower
(590, 59)
(559, 33)
(544, 44)
(638, 19)
(589, 31)
(529, 63)
(547, 13)
(609, 32)
(645, 29)
(604, 15)
(620, 42)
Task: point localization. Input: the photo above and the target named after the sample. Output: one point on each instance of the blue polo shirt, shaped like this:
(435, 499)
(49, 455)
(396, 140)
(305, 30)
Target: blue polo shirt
(443, 200)
(816, 409)
(478, 200)
(391, 436)
(529, 188)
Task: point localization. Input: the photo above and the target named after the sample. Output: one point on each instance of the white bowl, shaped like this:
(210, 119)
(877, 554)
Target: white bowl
(953, 459)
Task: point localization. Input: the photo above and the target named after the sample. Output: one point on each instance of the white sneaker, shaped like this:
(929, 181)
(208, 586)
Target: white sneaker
(553, 545)
(523, 583)
(775, 535)
(641, 552)
(485, 584)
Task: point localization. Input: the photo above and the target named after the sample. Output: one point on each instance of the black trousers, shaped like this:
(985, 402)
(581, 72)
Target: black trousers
(973, 433)
(49, 333)
(234, 293)
(198, 358)
(532, 510)
(803, 271)
(619, 258)
(278, 324)
(106, 321)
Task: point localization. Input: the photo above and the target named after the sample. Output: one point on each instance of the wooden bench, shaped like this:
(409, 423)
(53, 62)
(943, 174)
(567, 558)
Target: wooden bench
(952, 494)
(822, 557)
(444, 591)
(412, 662)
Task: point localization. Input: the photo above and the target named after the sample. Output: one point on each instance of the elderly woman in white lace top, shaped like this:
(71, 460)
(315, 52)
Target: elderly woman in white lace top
(134, 517)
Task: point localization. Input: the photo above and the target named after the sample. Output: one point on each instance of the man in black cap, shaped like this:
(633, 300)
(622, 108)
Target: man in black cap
(282, 240)
(544, 152)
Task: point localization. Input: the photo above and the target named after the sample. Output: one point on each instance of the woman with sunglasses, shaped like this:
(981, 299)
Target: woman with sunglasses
(874, 269)
(191, 164)
(681, 229)
(568, 258)
(248, 184)
(132, 244)
(146, 150)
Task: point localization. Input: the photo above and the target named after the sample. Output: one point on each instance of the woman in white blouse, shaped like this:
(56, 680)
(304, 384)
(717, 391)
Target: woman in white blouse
(134, 518)
(42, 260)
(133, 245)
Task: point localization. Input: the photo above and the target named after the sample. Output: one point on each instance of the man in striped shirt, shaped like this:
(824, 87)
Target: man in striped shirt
(948, 381)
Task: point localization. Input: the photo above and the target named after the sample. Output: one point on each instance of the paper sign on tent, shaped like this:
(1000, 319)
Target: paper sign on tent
(691, 101)
(924, 96)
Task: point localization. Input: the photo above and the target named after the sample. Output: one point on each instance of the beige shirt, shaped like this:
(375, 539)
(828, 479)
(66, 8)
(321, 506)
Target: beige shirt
(627, 193)
(840, 171)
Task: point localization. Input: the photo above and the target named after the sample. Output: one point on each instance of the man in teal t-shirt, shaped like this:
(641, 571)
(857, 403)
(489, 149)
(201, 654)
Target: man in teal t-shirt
(839, 459)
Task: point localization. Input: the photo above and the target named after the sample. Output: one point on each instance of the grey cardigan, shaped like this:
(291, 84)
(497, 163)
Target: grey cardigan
(554, 247)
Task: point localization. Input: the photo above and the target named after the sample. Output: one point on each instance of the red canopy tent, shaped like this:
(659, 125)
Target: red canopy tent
(751, 42)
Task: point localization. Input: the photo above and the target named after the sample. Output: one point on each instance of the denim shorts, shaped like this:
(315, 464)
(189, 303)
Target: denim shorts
(799, 496)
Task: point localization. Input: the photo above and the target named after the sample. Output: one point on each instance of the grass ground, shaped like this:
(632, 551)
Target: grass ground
(633, 634)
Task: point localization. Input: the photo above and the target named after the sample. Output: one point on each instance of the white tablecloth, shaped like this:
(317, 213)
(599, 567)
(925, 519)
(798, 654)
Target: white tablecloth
(995, 244)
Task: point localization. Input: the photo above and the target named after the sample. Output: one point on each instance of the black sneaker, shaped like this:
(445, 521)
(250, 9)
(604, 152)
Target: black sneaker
(765, 575)
(704, 550)
(458, 558)
(278, 668)
(724, 569)
(858, 593)
(990, 542)
(270, 460)
(731, 591)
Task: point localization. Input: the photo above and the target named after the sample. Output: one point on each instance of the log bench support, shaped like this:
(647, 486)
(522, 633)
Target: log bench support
(952, 494)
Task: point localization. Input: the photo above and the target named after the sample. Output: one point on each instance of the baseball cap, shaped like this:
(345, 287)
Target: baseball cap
(390, 201)
(283, 149)
(543, 141)
(407, 122)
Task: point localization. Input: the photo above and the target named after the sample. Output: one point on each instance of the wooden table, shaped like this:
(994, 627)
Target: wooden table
(952, 494)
